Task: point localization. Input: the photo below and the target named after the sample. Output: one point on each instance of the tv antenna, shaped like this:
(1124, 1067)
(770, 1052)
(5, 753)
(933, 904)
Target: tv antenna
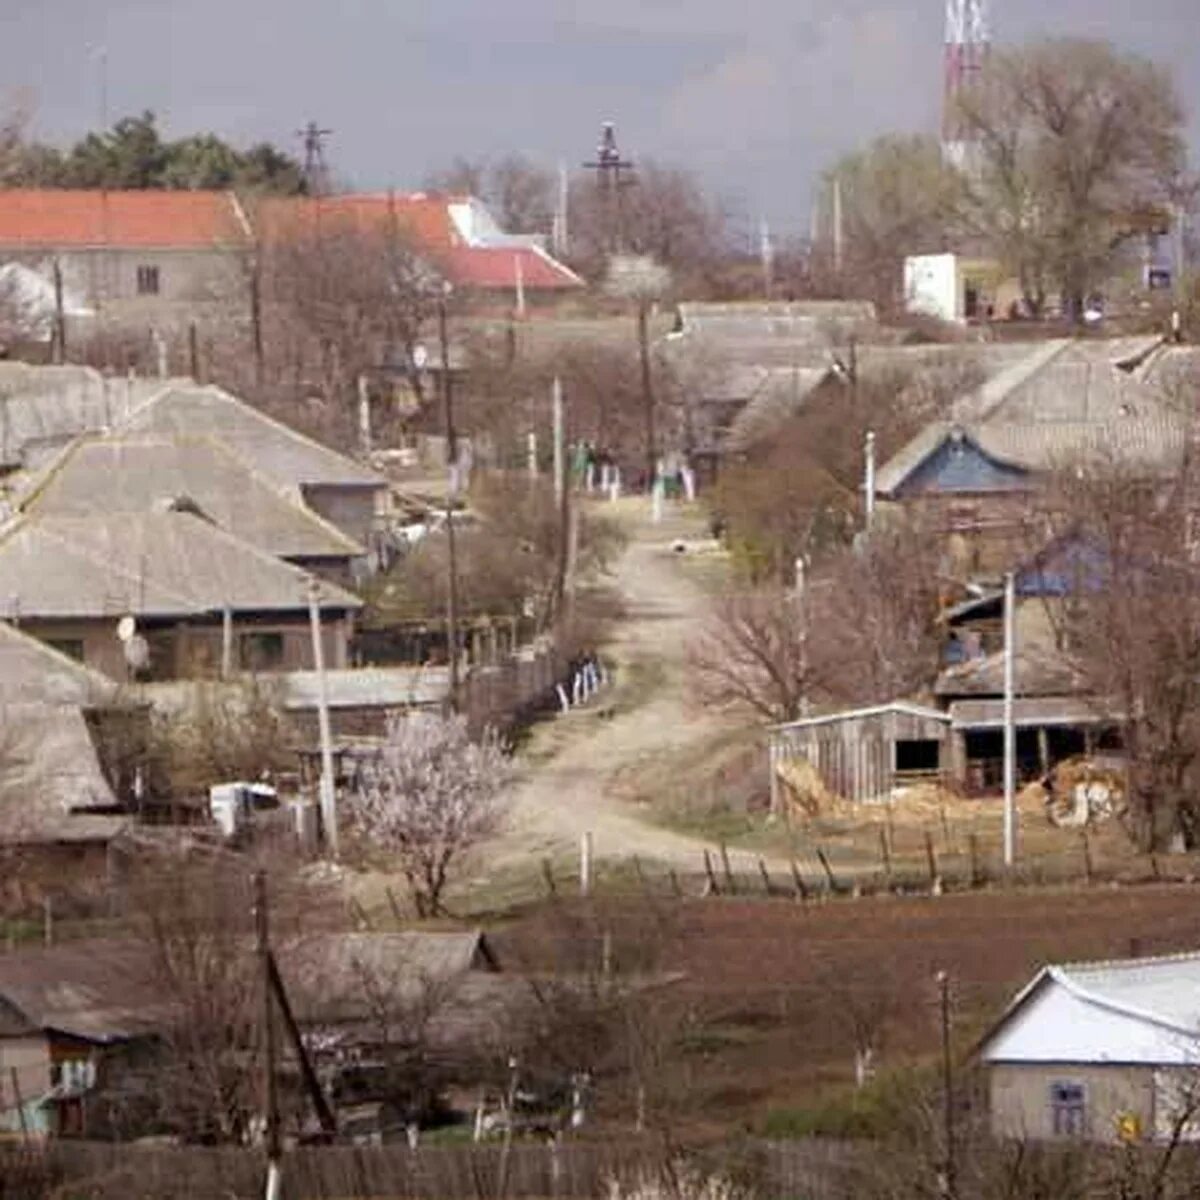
(316, 170)
(613, 175)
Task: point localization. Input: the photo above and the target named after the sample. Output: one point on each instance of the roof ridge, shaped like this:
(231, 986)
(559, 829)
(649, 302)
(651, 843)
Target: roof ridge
(1086, 994)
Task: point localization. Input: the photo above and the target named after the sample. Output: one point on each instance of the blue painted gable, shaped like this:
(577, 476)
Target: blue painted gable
(959, 465)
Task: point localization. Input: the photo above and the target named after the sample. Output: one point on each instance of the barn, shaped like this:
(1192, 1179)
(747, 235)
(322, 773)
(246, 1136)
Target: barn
(861, 754)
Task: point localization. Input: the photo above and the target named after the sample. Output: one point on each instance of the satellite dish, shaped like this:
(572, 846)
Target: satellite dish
(126, 628)
(420, 356)
(137, 653)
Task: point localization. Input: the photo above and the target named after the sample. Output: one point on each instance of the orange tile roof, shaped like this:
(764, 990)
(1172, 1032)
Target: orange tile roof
(424, 216)
(52, 217)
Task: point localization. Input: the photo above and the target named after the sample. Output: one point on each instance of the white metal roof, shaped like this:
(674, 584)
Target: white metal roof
(1143, 1010)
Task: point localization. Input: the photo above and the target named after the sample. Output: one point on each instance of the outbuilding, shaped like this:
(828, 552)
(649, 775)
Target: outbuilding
(863, 753)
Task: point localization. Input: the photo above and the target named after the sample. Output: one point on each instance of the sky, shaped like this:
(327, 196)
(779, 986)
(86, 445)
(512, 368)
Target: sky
(756, 96)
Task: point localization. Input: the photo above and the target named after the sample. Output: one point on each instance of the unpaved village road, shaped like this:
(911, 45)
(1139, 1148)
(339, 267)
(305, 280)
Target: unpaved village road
(564, 786)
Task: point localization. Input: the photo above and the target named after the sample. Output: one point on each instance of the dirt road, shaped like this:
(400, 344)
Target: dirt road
(564, 786)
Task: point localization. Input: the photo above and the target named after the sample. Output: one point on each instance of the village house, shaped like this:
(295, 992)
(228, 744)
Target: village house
(79, 1028)
(203, 602)
(153, 263)
(146, 473)
(1099, 1051)
(83, 1028)
(973, 473)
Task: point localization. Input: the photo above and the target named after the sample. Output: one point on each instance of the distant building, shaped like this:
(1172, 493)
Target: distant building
(1101, 1052)
(153, 262)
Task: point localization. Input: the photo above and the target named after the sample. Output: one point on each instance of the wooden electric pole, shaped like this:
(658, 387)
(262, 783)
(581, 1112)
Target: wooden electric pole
(270, 1082)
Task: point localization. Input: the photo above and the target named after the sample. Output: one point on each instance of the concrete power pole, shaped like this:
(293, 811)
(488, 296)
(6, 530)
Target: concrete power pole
(1010, 733)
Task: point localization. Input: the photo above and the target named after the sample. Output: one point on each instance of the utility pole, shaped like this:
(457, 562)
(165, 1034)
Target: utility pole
(270, 1083)
(949, 1179)
(613, 175)
(869, 478)
(316, 170)
(837, 225)
(1010, 733)
(60, 316)
(647, 389)
(328, 792)
(560, 449)
(451, 494)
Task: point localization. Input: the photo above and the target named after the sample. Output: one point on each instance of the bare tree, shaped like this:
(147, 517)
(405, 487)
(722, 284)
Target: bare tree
(1126, 614)
(753, 654)
(426, 798)
(664, 215)
(521, 194)
(874, 617)
(343, 298)
(1079, 148)
(897, 197)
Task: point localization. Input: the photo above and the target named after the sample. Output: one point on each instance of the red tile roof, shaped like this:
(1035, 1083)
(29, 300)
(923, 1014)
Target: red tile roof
(62, 218)
(191, 220)
(423, 216)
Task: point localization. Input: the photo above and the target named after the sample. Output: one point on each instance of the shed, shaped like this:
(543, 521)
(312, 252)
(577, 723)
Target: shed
(863, 753)
(1101, 1051)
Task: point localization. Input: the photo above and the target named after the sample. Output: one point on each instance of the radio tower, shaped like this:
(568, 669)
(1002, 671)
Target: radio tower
(967, 41)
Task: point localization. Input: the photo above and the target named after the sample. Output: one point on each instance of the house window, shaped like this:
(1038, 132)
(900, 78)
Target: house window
(147, 281)
(261, 651)
(1068, 1109)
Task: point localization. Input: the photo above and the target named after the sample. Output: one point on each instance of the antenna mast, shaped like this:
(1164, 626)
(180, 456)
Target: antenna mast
(968, 37)
(316, 170)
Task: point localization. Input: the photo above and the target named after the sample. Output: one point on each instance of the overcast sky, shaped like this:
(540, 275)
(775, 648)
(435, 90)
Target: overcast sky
(756, 95)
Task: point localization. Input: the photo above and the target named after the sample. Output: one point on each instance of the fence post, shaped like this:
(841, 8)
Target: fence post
(798, 880)
(833, 887)
(766, 878)
(931, 860)
(712, 875)
(729, 880)
(885, 854)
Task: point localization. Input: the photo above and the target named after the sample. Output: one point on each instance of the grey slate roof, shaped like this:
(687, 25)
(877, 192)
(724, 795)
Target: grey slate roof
(148, 564)
(147, 473)
(1061, 402)
(48, 768)
(780, 395)
(33, 673)
(281, 454)
(98, 991)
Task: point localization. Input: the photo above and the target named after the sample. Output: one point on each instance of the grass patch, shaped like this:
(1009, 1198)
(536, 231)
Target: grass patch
(883, 1107)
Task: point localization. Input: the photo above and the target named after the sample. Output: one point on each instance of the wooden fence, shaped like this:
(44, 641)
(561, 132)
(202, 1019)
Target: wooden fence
(810, 1169)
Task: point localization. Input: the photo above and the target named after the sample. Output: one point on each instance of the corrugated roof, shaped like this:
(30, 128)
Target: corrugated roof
(1163, 989)
(779, 396)
(147, 473)
(107, 991)
(921, 711)
(33, 673)
(1028, 712)
(53, 217)
(1037, 671)
(48, 769)
(281, 454)
(1060, 402)
(147, 564)
(498, 267)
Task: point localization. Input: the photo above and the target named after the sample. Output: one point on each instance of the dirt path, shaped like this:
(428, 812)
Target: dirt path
(564, 787)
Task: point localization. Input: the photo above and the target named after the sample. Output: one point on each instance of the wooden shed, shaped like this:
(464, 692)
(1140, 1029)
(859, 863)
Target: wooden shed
(863, 753)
